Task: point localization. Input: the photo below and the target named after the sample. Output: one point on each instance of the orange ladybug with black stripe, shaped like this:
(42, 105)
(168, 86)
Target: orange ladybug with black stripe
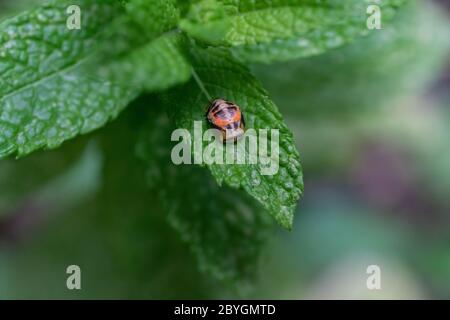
(226, 117)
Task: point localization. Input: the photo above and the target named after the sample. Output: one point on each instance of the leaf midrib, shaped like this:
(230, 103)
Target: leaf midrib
(51, 75)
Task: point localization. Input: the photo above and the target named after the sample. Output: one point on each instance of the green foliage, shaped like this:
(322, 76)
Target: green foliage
(118, 237)
(58, 83)
(222, 76)
(160, 58)
(21, 180)
(280, 30)
(224, 228)
(47, 93)
(45, 98)
(154, 17)
(368, 73)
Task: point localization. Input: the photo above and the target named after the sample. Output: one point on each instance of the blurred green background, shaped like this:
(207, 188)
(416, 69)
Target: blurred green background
(371, 121)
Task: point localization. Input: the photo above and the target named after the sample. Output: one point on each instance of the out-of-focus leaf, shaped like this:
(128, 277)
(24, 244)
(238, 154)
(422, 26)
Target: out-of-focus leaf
(224, 228)
(326, 232)
(120, 240)
(21, 180)
(400, 59)
(279, 30)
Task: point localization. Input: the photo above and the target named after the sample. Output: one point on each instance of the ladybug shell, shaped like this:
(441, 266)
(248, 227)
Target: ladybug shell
(227, 117)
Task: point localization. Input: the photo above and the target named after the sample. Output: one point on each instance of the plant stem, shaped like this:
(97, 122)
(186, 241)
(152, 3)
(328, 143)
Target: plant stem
(200, 84)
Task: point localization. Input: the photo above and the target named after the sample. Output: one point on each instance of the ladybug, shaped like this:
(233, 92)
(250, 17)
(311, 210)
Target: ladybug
(227, 117)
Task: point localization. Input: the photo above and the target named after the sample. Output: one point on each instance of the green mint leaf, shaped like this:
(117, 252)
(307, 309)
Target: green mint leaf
(58, 83)
(37, 44)
(45, 98)
(403, 58)
(156, 65)
(145, 49)
(223, 227)
(154, 17)
(223, 77)
(279, 30)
